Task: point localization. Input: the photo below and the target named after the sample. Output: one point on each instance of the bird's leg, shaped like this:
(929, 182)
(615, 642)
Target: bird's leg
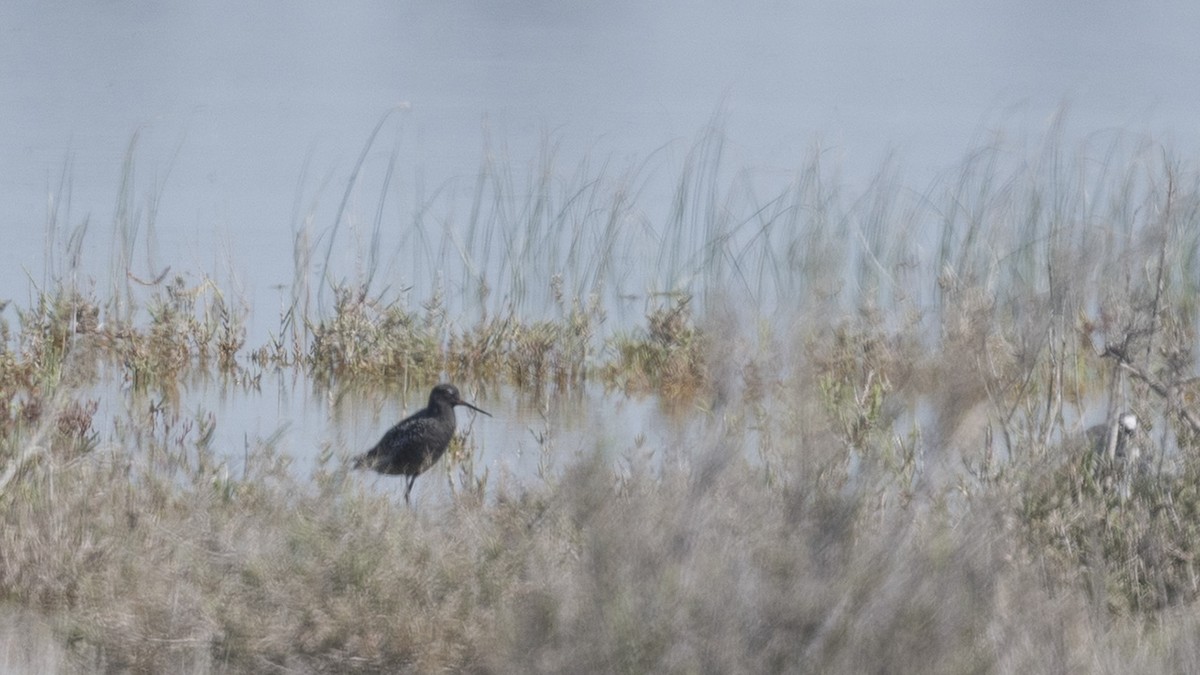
(407, 490)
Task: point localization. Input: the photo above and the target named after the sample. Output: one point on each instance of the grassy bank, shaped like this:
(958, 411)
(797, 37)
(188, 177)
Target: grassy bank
(875, 470)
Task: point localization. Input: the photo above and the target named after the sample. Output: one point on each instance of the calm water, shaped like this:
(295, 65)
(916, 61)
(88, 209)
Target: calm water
(250, 118)
(249, 121)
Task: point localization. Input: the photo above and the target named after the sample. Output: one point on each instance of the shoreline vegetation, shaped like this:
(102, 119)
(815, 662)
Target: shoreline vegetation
(880, 391)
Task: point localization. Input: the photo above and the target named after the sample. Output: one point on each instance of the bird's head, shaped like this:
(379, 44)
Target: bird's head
(447, 394)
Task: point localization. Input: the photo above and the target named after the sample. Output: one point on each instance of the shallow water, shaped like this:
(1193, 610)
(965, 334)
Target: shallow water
(529, 436)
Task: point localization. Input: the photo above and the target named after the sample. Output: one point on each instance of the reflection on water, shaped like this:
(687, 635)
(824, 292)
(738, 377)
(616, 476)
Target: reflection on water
(532, 432)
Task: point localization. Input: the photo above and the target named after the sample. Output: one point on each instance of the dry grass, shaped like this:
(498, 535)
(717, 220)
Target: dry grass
(682, 570)
(883, 479)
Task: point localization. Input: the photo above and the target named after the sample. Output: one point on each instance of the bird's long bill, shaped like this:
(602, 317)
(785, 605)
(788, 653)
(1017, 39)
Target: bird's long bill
(462, 402)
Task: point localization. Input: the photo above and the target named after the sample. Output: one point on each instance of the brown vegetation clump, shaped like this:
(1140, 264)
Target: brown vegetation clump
(530, 355)
(365, 339)
(667, 357)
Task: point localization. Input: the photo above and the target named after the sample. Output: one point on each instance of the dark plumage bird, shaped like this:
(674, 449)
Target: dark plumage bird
(418, 441)
(1116, 454)
(1115, 438)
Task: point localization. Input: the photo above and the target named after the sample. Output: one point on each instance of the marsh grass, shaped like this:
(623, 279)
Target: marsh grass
(878, 469)
(667, 356)
(367, 340)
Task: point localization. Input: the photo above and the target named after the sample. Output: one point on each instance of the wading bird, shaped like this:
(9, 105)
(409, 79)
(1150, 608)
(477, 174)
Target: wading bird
(1114, 442)
(1116, 454)
(418, 441)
